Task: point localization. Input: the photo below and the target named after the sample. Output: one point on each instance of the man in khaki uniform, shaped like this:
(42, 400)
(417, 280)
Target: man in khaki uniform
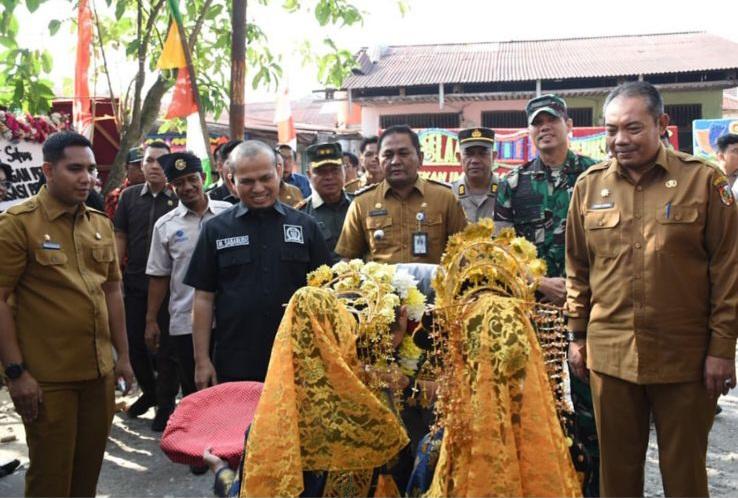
(288, 194)
(652, 290)
(404, 218)
(476, 189)
(61, 315)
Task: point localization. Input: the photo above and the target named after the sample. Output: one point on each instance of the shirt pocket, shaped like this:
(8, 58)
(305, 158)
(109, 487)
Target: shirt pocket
(603, 232)
(678, 229)
(433, 224)
(295, 253)
(379, 232)
(50, 258)
(230, 262)
(100, 259)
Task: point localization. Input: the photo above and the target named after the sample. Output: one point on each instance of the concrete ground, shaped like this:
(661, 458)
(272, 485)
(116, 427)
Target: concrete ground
(135, 466)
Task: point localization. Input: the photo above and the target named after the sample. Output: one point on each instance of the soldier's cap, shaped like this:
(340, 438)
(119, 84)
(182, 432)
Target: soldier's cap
(324, 154)
(476, 137)
(552, 104)
(135, 155)
(179, 164)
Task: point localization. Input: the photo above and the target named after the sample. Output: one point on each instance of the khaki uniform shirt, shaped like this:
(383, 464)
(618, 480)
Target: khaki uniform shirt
(355, 185)
(652, 268)
(476, 207)
(379, 225)
(56, 259)
(289, 194)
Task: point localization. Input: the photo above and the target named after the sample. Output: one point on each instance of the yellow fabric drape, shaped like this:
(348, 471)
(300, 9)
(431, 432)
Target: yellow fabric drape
(314, 412)
(502, 435)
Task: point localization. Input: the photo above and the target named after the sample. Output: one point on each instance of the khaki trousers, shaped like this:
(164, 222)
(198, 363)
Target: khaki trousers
(66, 443)
(683, 414)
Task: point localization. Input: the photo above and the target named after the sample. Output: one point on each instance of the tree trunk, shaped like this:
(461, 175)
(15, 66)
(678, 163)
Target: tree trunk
(237, 114)
(133, 135)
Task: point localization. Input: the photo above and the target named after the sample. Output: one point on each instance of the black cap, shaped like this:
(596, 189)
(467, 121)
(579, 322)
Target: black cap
(323, 154)
(552, 104)
(476, 137)
(135, 155)
(179, 164)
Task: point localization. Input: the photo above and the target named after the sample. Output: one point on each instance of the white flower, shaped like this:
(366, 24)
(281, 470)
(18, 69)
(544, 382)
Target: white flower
(402, 281)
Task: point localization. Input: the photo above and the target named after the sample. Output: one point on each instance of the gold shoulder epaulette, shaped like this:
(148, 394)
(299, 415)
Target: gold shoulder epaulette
(23, 207)
(438, 182)
(302, 204)
(366, 189)
(601, 166)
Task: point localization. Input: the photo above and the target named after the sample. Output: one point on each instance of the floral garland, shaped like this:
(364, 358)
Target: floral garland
(32, 129)
(373, 292)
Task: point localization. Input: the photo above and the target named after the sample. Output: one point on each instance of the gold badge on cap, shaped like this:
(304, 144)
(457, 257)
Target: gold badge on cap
(605, 192)
(476, 134)
(180, 164)
(671, 183)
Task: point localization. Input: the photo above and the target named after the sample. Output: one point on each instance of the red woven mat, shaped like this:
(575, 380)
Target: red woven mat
(216, 417)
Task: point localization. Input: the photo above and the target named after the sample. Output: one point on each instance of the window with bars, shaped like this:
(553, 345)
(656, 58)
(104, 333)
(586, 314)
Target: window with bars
(437, 120)
(504, 119)
(581, 116)
(682, 116)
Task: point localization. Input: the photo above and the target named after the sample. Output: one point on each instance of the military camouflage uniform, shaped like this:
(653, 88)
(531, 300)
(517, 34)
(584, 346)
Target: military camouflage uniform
(535, 200)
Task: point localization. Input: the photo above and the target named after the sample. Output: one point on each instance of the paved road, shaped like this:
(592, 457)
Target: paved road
(135, 466)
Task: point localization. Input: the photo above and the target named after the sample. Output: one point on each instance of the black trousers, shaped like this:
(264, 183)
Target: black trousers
(184, 354)
(156, 374)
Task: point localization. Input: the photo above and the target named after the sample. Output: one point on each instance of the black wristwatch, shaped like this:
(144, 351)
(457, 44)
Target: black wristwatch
(576, 336)
(14, 370)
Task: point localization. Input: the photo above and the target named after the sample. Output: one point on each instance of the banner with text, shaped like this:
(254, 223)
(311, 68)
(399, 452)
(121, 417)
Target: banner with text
(513, 146)
(705, 133)
(25, 159)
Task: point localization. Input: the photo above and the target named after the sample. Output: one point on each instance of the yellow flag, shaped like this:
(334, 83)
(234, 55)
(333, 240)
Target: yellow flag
(172, 55)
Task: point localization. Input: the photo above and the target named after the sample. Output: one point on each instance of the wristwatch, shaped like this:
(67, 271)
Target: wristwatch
(14, 370)
(576, 336)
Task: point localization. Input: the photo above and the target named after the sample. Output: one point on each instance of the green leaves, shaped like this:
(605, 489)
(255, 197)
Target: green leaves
(54, 26)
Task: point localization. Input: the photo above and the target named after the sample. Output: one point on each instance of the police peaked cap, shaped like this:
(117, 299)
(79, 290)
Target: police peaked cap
(179, 164)
(477, 137)
(324, 154)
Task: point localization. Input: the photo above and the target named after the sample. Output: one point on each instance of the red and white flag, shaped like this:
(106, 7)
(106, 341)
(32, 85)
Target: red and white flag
(286, 133)
(81, 109)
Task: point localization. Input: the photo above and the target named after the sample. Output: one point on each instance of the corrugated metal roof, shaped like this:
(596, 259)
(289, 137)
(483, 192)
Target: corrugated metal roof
(411, 65)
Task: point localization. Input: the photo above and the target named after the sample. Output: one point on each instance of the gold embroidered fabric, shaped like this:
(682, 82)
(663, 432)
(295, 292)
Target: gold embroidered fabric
(502, 435)
(314, 412)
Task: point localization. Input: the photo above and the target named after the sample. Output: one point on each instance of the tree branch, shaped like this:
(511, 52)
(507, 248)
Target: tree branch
(198, 24)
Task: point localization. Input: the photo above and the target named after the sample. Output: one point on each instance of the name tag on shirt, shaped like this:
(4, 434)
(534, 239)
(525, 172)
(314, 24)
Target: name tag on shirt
(604, 205)
(293, 234)
(243, 240)
(51, 245)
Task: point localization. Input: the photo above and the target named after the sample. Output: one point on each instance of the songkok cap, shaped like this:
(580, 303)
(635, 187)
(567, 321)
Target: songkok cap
(476, 137)
(324, 154)
(552, 104)
(179, 164)
(135, 155)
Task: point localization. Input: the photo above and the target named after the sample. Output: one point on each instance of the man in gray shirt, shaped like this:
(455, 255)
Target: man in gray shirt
(172, 244)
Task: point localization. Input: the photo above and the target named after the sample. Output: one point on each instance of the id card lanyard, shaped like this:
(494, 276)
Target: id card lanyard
(420, 237)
